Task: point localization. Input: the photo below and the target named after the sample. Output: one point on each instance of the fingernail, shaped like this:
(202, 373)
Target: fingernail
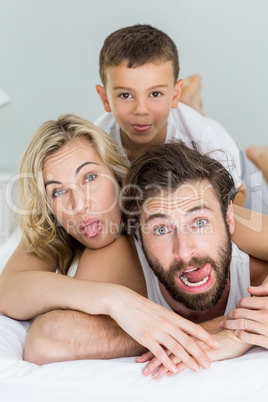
(236, 333)
(145, 370)
(174, 369)
(206, 364)
(195, 367)
(156, 374)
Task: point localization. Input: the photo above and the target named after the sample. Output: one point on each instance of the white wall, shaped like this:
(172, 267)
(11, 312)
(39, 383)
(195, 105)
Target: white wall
(49, 60)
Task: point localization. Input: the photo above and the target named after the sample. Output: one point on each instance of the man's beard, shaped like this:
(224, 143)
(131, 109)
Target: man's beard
(193, 301)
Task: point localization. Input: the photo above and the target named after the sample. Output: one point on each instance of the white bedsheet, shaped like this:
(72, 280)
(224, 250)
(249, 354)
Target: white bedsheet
(243, 379)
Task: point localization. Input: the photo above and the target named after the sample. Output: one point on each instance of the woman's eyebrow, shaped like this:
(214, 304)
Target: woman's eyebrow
(75, 173)
(83, 164)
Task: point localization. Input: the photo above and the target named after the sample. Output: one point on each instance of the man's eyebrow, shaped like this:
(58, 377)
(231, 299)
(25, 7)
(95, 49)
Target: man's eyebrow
(75, 173)
(198, 208)
(155, 216)
(188, 212)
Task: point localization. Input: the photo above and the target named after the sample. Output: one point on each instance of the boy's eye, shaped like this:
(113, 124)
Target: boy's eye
(90, 177)
(156, 94)
(200, 223)
(125, 95)
(57, 192)
(161, 230)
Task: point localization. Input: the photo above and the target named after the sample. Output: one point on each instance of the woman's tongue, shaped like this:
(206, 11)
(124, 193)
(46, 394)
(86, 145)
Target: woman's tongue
(92, 229)
(197, 275)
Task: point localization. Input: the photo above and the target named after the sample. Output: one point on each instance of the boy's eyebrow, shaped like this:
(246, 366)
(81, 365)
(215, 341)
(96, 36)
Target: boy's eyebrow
(119, 88)
(75, 173)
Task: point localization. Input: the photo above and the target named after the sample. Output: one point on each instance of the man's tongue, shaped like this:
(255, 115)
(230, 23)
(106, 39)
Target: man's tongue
(197, 275)
(92, 229)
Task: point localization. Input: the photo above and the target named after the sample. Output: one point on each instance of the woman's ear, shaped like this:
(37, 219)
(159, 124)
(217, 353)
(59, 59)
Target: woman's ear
(177, 93)
(230, 218)
(103, 97)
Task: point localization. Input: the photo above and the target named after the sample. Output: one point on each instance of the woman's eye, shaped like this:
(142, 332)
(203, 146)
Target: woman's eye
(58, 192)
(161, 230)
(200, 223)
(156, 94)
(125, 95)
(90, 177)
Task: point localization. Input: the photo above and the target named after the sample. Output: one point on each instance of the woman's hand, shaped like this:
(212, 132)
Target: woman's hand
(230, 347)
(250, 318)
(159, 329)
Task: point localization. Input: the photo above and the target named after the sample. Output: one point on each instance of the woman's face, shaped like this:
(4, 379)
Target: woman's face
(83, 193)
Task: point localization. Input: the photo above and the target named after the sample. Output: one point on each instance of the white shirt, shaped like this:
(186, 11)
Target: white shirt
(188, 125)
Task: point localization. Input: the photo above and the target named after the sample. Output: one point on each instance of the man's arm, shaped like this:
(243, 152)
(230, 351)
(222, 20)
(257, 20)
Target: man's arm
(63, 335)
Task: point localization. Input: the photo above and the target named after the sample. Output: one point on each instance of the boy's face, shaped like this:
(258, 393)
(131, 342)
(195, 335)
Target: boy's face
(140, 99)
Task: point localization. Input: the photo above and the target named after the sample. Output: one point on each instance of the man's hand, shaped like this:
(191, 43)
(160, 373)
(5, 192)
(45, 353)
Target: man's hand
(250, 319)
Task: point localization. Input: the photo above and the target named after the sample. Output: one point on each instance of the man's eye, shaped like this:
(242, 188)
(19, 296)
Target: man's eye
(156, 94)
(200, 223)
(90, 177)
(125, 95)
(58, 192)
(161, 230)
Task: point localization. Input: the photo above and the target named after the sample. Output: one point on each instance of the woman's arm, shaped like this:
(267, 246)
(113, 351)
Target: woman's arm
(251, 232)
(149, 324)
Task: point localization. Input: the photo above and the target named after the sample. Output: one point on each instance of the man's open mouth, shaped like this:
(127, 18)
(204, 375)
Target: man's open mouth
(194, 277)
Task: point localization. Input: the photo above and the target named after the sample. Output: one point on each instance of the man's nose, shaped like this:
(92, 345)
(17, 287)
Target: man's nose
(183, 247)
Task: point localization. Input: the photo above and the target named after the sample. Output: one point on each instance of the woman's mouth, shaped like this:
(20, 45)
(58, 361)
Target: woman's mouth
(91, 228)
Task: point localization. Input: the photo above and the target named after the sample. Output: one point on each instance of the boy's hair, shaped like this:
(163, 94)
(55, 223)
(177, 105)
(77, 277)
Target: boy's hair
(41, 232)
(137, 45)
(166, 167)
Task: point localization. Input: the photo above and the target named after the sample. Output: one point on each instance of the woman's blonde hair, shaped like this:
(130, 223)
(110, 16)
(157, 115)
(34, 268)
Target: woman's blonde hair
(41, 232)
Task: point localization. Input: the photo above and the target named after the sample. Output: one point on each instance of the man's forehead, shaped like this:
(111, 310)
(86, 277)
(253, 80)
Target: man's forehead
(184, 199)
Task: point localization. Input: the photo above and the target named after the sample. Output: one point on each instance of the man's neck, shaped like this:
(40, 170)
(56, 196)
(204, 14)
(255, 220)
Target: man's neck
(198, 316)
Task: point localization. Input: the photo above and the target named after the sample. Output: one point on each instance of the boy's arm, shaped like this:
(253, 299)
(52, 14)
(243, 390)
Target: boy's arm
(250, 319)
(251, 232)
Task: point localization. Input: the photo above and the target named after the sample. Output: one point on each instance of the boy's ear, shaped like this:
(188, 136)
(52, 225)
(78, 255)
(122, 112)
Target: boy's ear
(177, 93)
(104, 98)
(230, 218)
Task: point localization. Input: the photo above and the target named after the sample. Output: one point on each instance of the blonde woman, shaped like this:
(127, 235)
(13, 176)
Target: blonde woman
(71, 175)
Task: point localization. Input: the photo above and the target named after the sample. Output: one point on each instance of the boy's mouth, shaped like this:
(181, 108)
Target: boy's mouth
(141, 128)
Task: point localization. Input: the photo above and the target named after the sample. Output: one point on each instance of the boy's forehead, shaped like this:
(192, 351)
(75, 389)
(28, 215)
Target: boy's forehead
(153, 73)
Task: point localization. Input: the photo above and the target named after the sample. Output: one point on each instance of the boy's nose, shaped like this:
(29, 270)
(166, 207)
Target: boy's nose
(141, 107)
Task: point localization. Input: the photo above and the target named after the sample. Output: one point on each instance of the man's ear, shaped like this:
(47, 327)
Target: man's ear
(103, 97)
(177, 93)
(230, 218)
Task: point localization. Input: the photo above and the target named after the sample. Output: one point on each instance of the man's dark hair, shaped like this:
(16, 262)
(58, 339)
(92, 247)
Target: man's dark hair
(137, 45)
(166, 167)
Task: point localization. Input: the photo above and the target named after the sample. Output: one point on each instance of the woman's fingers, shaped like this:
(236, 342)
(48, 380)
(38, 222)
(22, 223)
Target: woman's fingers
(253, 339)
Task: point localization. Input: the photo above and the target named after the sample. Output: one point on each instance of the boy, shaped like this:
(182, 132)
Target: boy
(139, 69)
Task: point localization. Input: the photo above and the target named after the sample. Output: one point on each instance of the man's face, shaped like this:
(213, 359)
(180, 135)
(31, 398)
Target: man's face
(140, 99)
(187, 244)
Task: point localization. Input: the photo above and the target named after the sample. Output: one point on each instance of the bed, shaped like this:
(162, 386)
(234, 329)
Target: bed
(242, 379)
